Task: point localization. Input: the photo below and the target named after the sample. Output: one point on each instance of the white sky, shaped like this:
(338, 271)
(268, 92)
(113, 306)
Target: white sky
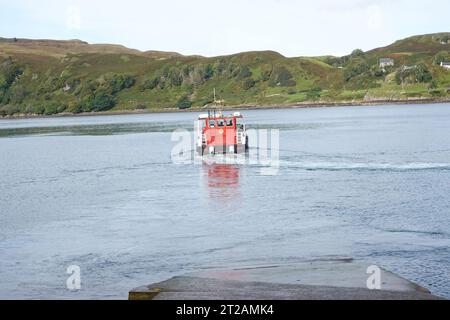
(217, 27)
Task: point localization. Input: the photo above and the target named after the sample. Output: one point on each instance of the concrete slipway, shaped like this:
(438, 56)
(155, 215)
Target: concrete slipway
(329, 279)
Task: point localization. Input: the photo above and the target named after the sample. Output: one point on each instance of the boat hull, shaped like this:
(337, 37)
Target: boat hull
(223, 149)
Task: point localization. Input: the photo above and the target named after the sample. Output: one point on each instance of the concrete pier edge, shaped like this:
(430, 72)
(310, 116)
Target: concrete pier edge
(322, 279)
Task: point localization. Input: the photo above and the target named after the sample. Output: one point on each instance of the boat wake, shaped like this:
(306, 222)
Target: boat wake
(369, 166)
(321, 165)
(232, 159)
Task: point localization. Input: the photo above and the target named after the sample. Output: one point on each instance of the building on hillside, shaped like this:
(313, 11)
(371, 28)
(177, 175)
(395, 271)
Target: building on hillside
(445, 65)
(386, 62)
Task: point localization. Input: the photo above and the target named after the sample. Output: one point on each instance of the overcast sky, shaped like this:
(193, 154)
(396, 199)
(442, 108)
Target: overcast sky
(217, 27)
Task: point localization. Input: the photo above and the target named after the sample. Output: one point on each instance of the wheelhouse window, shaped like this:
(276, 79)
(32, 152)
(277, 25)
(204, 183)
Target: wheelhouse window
(221, 123)
(229, 122)
(212, 123)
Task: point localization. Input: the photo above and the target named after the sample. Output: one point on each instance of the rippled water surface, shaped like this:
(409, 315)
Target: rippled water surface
(102, 192)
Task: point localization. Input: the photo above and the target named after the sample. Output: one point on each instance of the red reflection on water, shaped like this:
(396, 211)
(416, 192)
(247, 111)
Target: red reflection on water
(223, 181)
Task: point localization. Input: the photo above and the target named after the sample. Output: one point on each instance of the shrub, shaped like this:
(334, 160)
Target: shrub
(220, 66)
(66, 74)
(75, 108)
(129, 81)
(8, 110)
(233, 69)
(423, 74)
(47, 86)
(442, 56)
(150, 84)
(357, 53)
(198, 76)
(9, 71)
(377, 72)
(433, 85)
(244, 72)
(281, 77)
(420, 73)
(101, 100)
(118, 82)
(443, 38)
(314, 93)
(175, 77)
(334, 61)
(265, 75)
(436, 93)
(248, 84)
(208, 72)
(355, 70)
(51, 108)
(17, 94)
(184, 103)
(187, 71)
(38, 109)
(402, 76)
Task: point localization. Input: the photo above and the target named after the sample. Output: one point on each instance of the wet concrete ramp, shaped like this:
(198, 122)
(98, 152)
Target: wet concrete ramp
(342, 279)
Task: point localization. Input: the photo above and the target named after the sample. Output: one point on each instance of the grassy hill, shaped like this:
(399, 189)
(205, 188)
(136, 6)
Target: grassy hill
(50, 77)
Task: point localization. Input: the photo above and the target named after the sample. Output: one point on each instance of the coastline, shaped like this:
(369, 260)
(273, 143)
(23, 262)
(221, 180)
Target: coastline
(301, 105)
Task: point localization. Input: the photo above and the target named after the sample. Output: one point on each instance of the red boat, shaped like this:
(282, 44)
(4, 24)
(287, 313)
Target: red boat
(221, 134)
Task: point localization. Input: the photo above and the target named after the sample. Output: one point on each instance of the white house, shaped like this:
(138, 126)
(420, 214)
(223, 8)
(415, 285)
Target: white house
(445, 65)
(386, 62)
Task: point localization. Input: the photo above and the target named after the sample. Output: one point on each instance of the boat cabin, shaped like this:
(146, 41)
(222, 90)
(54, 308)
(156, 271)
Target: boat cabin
(219, 133)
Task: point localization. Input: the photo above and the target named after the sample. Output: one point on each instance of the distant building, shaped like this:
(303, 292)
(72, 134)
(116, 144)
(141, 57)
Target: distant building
(445, 65)
(386, 62)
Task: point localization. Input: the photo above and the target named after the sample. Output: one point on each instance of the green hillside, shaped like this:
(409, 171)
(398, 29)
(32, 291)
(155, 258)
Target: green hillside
(50, 77)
